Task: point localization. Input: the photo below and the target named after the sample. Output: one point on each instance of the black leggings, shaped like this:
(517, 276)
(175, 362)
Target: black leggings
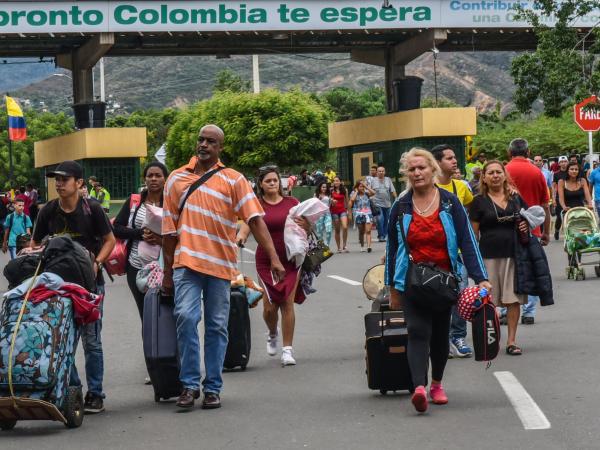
(427, 338)
(558, 223)
(137, 295)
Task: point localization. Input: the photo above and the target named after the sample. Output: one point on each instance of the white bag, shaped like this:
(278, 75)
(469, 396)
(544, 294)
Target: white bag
(294, 236)
(153, 219)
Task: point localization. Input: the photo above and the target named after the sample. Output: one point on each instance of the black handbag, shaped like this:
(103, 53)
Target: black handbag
(318, 253)
(427, 285)
(375, 210)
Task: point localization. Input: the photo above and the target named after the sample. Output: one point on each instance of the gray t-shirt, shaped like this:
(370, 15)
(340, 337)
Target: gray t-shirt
(383, 192)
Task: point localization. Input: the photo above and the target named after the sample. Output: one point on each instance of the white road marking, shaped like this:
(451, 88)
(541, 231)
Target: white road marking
(249, 250)
(527, 409)
(345, 280)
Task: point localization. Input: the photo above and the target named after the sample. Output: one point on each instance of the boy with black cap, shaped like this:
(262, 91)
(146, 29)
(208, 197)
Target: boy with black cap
(86, 223)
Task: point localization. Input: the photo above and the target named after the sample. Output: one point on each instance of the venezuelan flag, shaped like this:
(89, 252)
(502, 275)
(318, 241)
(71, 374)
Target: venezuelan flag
(17, 131)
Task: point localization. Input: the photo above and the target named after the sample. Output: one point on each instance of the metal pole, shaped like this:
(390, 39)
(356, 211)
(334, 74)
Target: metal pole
(102, 92)
(255, 74)
(591, 144)
(10, 155)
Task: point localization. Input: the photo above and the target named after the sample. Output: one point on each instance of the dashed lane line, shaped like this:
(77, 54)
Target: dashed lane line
(527, 409)
(345, 280)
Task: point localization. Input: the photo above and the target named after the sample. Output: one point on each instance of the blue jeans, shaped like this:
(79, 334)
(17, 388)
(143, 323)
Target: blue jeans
(190, 288)
(530, 307)
(597, 205)
(382, 222)
(94, 356)
(13, 252)
(458, 325)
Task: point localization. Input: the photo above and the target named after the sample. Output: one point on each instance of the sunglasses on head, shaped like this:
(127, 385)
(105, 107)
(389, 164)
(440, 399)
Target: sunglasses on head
(269, 168)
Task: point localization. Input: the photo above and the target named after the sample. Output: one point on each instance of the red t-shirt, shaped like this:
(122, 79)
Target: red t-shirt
(530, 182)
(427, 240)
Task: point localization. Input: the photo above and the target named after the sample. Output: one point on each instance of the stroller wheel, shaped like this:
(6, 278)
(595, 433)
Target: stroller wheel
(597, 270)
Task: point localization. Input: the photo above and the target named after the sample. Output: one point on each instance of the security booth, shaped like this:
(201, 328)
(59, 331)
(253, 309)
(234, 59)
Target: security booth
(111, 154)
(383, 139)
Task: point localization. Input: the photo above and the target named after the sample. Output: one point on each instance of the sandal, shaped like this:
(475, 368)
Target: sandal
(514, 350)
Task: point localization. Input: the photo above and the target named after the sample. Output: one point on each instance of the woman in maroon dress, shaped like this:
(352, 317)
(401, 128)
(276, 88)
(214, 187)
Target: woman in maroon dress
(280, 296)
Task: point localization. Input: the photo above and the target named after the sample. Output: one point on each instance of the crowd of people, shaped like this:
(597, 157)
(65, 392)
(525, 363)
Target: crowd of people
(469, 227)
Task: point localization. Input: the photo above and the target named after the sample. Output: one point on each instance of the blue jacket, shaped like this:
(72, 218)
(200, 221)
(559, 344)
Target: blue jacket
(459, 236)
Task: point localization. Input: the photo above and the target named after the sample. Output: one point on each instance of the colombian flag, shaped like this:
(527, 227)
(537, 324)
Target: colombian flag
(17, 131)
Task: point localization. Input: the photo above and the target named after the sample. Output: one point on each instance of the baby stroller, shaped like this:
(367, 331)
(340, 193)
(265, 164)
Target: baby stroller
(582, 238)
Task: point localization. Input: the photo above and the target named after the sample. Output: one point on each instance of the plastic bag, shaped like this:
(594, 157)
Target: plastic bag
(294, 236)
(153, 219)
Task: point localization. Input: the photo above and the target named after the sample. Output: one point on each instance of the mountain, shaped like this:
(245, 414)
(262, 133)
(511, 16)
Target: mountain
(479, 79)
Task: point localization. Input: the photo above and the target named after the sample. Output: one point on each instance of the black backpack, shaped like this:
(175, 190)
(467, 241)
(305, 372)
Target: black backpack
(71, 261)
(21, 268)
(61, 256)
(486, 332)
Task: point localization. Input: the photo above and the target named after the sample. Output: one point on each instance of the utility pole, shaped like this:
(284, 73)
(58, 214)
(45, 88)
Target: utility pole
(102, 91)
(255, 74)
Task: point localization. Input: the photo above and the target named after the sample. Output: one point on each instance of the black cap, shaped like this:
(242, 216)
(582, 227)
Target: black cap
(67, 169)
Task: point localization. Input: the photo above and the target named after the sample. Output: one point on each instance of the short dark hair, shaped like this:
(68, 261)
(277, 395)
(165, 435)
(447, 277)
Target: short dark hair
(158, 164)
(19, 200)
(518, 147)
(438, 151)
(573, 155)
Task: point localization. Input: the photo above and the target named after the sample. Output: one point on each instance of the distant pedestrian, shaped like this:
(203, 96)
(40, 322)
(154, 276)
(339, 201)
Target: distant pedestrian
(339, 214)
(538, 160)
(385, 194)
(594, 179)
(532, 187)
(102, 195)
(559, 175)
(372, 175)
(329, 174)
(16, 224)
(324, 226)
(360, 204)
(475, 182)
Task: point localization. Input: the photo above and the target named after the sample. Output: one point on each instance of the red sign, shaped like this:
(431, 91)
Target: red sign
(588, 118)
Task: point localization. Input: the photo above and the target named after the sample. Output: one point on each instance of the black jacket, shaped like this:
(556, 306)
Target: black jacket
(532, 273)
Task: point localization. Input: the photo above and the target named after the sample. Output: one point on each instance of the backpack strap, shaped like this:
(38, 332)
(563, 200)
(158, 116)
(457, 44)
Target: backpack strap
(454, 190)
(203, 179)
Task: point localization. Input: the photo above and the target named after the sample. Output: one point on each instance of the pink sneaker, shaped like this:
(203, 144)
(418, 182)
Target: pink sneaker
(437, 394)
(419, 399)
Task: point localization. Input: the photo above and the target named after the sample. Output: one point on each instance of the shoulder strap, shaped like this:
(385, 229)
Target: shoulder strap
(454, 191)
(203, 179)
(403, 234)
(11, 221)
(134, 200)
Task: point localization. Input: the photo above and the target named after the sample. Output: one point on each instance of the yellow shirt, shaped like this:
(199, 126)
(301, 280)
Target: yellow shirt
(330, 176)
(460, 189)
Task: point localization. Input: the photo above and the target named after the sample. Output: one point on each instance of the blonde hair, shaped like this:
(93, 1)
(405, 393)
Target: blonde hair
(416, 152)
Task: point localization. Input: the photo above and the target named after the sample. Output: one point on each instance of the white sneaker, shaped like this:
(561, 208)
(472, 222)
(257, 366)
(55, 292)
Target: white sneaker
(287, 357)
(272, 342)
(362, 249)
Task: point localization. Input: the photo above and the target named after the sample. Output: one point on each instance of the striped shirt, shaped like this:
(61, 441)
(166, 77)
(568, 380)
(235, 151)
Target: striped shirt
(208, 224)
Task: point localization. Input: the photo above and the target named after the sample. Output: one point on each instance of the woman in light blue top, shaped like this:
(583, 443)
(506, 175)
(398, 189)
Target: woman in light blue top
(324, 225)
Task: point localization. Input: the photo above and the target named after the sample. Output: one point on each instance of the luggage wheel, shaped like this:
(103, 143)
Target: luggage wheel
(243, 368)
(6, 425)
(74, 407)
(157, 398)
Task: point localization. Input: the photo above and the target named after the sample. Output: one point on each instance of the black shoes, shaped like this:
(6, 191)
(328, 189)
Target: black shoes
(93, 404)
(527, 320)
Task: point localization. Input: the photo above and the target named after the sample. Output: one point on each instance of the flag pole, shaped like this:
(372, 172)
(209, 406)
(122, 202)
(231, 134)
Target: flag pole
(10, 155)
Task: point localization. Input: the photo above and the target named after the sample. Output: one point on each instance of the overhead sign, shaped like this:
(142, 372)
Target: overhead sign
(587, 114)
(262, 15)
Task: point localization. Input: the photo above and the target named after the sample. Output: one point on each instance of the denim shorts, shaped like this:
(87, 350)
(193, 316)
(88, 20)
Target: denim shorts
(339, 216)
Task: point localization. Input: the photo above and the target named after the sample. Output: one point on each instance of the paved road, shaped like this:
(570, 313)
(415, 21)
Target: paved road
(324, 403)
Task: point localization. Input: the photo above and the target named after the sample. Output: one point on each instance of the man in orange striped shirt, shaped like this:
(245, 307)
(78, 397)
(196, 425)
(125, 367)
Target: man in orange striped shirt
(200, 256)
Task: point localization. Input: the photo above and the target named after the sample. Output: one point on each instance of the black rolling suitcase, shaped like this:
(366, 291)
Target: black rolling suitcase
(160, 345)
(238, 329)
(387, 363)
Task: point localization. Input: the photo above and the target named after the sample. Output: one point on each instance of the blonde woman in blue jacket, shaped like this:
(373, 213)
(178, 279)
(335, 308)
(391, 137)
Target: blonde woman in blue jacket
(436, 228)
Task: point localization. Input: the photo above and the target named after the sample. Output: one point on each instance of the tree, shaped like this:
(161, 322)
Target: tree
(347, 104)
(288, 129)
(156, 122)
(549, 136)
(558, 73)
(40, 126)
(228, 80)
